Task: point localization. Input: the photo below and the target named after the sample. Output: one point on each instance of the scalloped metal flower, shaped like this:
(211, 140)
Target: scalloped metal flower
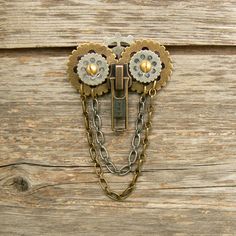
(101, 69)
(165, 59)
(136, 63)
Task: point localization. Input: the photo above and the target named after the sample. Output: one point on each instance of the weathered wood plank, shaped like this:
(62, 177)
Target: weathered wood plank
(47, 183)
(42, 23)
(165, 202)
(107, 220)
(41, 121)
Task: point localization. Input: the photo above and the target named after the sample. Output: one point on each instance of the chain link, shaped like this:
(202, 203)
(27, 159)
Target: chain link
(140, 158)
(99, 137)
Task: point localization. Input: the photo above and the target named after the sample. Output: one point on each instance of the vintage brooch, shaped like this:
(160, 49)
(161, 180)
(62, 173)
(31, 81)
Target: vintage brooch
(119, 66)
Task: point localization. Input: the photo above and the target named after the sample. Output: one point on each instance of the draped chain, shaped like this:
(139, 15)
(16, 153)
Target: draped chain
(134, 156)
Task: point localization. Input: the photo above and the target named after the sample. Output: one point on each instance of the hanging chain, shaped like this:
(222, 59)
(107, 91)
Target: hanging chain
(136, 141)
(93, 154)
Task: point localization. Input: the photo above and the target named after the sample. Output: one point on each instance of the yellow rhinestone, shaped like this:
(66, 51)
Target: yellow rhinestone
(145, 66)
(91, 69)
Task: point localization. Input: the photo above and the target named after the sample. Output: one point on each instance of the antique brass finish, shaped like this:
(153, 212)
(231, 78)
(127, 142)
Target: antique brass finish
(97, 164)
(145, 66)
(119, 99)
(164, 56)
(91, 69)
(82, 50)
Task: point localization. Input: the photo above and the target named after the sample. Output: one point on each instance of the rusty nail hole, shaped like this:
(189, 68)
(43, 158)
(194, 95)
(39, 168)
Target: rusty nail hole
(21, 184)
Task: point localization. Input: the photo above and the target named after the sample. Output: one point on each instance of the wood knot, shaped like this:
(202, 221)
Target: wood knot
(21, 184)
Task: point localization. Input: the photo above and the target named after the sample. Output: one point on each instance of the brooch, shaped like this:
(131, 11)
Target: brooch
(119, 66)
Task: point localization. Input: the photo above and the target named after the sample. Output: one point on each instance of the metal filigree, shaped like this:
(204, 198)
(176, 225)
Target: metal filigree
(118, 43)
(92, 69)
(164, 57)
(145, 66)
(74, 59)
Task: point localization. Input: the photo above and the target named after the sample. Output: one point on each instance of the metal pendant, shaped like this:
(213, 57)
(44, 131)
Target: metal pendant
(119, 65)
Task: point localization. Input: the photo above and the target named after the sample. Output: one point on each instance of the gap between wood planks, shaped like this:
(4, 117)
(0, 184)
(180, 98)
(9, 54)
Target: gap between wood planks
(88, 166)
(187, 49)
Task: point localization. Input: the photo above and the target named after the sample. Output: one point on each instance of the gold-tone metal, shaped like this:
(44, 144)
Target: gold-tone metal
(119, 81)
(119, 99)
(82, 50)
(125, 58)
(119, 106)
(92, 69)
(164, 57)
(119, 77)
(145, 66)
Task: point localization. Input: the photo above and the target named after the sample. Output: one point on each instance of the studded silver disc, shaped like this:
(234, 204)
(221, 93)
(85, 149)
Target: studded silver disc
(135, 66)
(101, 69)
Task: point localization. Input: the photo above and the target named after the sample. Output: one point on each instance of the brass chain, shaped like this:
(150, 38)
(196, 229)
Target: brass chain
(93, 154)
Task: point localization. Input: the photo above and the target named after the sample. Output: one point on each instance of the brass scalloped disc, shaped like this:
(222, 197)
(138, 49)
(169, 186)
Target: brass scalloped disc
(74, 59)
(164, 57)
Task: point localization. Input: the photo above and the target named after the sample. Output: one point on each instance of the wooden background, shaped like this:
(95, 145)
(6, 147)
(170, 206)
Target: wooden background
(47, 183)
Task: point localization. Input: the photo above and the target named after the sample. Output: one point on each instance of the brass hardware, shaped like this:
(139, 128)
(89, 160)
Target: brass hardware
(119, 99)
(82, 50)
(119, 77)
(164, 57)
(143, 66)
(97, 164)
(91, 69)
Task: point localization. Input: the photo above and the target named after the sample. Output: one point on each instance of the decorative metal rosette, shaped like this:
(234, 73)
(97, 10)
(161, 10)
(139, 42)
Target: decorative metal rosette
(145, 66)
(93, 82)
(118, 43)
(147, 48)
(92, 69)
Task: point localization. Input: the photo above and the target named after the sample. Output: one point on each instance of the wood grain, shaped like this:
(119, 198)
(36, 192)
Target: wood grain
(44, 23)
(48, 185)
